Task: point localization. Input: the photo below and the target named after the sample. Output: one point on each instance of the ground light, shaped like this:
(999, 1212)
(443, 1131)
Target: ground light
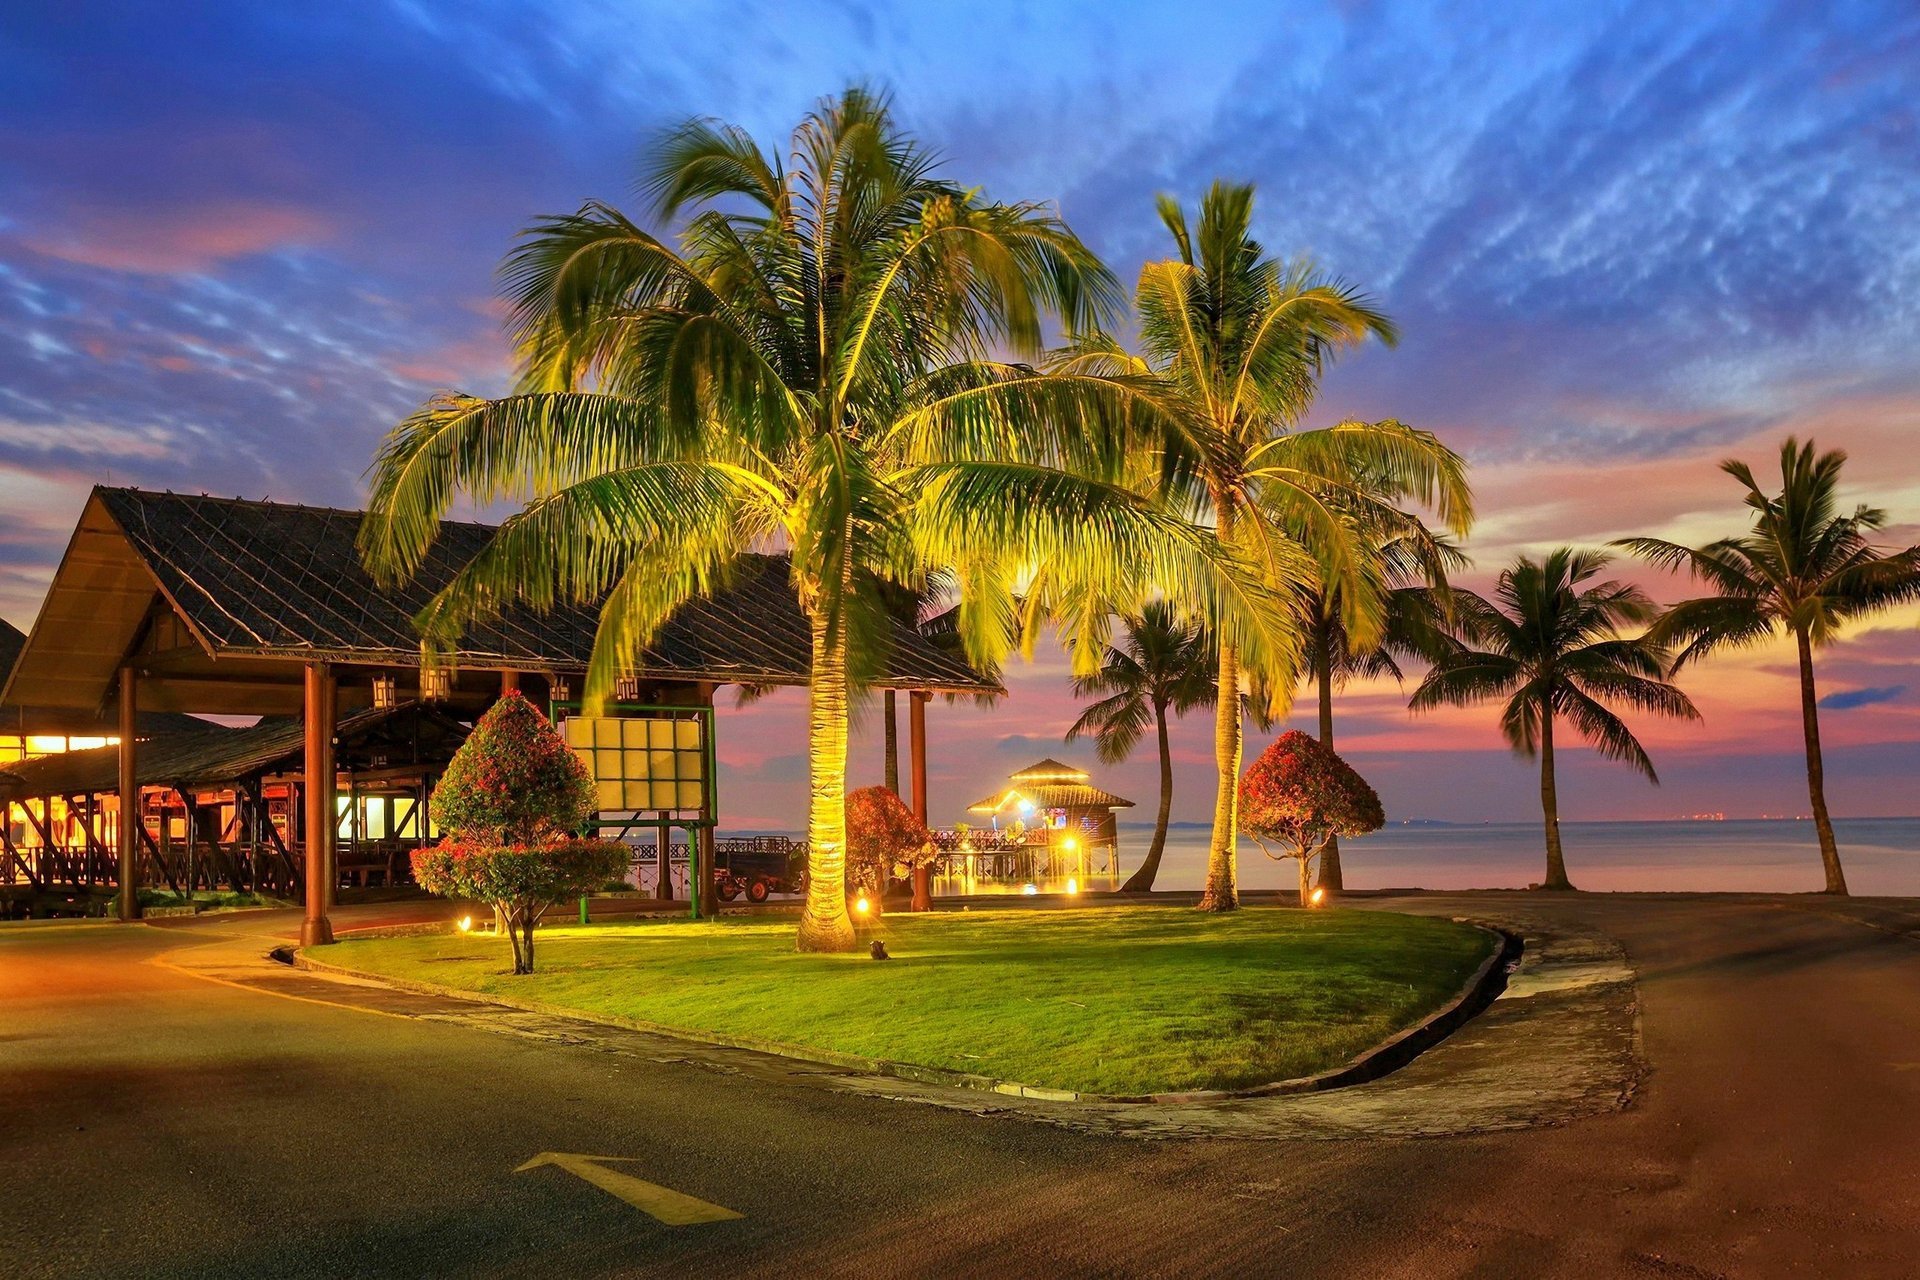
(1073, 885)
(466, 923)
(1316, 896)
(861, 906)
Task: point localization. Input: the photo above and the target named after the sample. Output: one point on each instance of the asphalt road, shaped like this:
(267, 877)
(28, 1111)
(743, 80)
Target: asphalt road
(156, 1120)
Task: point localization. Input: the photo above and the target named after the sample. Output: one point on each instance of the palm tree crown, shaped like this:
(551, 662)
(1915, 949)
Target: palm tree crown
(1163, 663)
(1805, 568)
(1552, 649)
(807, 366)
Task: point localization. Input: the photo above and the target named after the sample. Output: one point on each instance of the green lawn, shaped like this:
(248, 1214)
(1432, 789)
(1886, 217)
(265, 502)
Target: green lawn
(1110, 1000)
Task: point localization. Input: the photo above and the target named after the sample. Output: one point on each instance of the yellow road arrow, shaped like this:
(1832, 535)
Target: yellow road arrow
(669, 1206)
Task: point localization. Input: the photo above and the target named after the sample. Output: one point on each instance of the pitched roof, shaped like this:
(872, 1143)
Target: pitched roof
(211, 756)
(1050, 784)
(274, 580)
(1072, 795)
(1051, 770)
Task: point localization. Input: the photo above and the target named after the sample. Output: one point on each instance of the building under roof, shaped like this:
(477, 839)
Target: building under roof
(181, 603)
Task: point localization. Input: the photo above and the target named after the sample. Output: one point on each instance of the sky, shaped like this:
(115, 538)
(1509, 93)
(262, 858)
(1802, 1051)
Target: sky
(1623, 241)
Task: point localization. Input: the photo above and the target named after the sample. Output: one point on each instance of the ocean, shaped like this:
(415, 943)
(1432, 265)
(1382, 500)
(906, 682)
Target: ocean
(1881, 856)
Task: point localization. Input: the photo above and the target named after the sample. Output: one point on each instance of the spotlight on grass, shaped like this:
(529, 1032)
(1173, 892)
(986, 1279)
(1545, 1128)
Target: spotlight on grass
(861, 906)
(466, 923)
(1317, 897)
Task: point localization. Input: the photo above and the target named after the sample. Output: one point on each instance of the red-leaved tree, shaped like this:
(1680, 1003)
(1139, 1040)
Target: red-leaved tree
(511, 806)
(1298, 795)
(882, 833)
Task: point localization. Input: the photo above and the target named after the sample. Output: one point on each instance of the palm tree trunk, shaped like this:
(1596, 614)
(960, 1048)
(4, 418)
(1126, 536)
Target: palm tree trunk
(1816, 770)
(824, 924)
(1141, 881)
(1222, 893)
(893, 746)
(1330, 878)
(1550, 807)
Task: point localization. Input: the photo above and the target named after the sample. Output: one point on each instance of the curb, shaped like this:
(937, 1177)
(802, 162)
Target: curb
(1479, 991)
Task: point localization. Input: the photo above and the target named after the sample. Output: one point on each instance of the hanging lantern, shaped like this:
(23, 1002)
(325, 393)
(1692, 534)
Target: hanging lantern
(386, 691)
(626, 688)
(436, 683)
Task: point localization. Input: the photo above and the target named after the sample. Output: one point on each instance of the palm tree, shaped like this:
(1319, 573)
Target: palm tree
(1164, 663)
(1243, 338)
(1553, 650)
(804, 367)
(1804, 568)
(1412, 563)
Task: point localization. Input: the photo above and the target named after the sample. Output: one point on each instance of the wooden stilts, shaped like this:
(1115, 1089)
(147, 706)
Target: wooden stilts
(917, 749)
(129, 902)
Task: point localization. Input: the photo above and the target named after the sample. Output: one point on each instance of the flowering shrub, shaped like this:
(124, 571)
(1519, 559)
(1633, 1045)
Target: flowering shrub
(882, 833)
(514, 781)
(1299, 794)
(512, 803)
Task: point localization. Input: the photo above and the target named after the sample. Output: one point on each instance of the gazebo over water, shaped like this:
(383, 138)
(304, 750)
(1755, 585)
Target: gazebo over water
(1049, 830)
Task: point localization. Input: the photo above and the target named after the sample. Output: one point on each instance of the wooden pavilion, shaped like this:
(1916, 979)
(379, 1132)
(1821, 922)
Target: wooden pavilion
(185, 603)
(1050, 828)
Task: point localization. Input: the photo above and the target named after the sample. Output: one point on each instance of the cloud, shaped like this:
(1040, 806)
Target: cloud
(182, 239)
(1848, 699)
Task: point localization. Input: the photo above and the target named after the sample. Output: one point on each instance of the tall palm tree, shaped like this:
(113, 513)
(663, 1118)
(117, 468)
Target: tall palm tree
(805, 366)
(1412, 564)
(1243, 338)
(1553, 650)
(1164, 663)
(1805, 568)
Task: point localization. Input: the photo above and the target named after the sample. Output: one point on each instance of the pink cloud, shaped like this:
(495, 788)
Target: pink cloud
(159, 240)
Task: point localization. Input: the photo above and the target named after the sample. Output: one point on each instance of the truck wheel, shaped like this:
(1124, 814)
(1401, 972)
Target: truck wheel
(729, 889)
(757, 890)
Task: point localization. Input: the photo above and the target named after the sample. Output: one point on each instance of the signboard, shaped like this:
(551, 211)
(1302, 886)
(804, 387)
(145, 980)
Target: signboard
(642, 762)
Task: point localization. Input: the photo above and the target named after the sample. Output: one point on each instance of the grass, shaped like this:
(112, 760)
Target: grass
(1112, 1000)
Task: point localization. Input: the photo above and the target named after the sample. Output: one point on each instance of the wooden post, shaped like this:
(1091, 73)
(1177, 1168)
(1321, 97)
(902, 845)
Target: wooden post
(317, 929)
(129, 801)
(663, 865)
(509, 682)
(917, 749)
(707, 888)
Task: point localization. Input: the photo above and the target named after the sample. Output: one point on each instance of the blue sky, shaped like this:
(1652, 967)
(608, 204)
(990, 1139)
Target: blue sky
(1623, 239)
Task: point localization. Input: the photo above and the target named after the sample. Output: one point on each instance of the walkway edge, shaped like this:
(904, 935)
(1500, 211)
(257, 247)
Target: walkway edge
(1479, 991)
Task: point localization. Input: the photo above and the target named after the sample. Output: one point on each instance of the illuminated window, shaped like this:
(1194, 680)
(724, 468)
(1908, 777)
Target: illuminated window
(641, 763)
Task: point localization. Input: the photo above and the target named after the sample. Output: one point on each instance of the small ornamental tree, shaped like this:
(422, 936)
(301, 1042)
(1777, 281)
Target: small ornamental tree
(511, 805)
(882, 833)
(1299, 795)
